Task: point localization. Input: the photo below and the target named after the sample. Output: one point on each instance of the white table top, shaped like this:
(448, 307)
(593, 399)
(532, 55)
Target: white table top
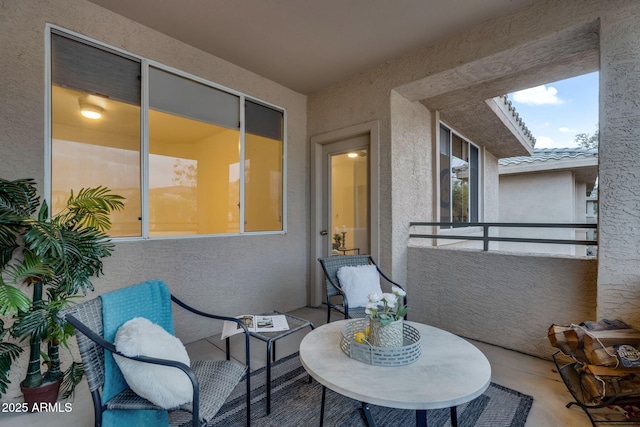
(449, 372)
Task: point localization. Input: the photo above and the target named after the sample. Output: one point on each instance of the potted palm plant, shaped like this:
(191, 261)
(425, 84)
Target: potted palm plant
(53, 258)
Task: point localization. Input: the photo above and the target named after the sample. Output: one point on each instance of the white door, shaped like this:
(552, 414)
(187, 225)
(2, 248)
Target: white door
(345, 197)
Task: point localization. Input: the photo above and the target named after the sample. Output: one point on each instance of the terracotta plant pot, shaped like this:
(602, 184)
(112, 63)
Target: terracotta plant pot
(46, 393)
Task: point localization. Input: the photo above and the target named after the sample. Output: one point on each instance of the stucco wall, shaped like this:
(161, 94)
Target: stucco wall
(471, 293)
(231, 275)
(365, 97)
(619, 209)
(539, 197)
(413, 177)
(512, 40)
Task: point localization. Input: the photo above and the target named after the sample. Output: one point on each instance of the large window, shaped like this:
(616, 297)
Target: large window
(190, 158)
(459, 186)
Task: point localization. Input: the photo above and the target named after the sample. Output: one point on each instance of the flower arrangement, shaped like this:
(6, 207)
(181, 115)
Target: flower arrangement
(387, 307)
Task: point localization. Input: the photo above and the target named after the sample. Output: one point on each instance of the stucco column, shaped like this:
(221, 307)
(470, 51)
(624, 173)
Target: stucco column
(411, 175)
(619, 174)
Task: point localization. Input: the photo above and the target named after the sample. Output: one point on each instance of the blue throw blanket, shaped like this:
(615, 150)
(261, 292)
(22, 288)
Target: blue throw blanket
(151, 300)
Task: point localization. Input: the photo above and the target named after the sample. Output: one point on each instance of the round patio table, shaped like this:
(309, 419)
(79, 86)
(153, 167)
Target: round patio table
(450, 371)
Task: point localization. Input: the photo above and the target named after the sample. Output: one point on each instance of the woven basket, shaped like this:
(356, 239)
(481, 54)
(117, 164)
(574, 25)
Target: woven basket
(367, 353)
(386, 335)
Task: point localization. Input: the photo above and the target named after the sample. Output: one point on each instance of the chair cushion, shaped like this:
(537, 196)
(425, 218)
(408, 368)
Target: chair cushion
(165, 386)
(358, 282)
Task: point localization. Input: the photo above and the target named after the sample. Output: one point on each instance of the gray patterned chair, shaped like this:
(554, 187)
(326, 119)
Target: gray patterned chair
(212, 381)
(331, 265)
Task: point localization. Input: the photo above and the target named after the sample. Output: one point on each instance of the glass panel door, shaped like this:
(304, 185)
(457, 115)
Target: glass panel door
(349, 218)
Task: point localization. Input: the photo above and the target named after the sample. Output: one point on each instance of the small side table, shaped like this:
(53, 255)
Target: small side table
(295, 324)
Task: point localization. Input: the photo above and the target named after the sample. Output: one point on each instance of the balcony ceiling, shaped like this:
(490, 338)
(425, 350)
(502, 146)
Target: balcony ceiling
(307, 45)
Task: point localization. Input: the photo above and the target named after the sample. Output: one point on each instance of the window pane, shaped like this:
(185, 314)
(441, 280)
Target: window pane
(194, 165)
(263, 168)
(94, 152)
(459, 179)
(474, 160)
(445, 175)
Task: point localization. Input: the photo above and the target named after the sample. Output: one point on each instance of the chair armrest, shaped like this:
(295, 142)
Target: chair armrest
(225, 318)
(384, 276)
(336, 287)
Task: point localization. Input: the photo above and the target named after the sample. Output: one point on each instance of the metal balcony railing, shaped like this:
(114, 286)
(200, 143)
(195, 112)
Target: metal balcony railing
(486, 238)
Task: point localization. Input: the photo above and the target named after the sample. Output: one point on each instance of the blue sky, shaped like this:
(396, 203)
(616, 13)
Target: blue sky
(557, 111)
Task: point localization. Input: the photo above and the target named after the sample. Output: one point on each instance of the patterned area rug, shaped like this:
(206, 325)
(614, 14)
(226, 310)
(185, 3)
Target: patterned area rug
(296, 402)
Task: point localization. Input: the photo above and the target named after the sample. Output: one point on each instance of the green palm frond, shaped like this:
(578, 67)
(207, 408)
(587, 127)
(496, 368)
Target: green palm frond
(43, 239)
(31, 268)
(8, 353)
(72, 378)
(12, 300)
(8, 244)
(90, 208)
(83, 251)
(18, 199)
(34, 323)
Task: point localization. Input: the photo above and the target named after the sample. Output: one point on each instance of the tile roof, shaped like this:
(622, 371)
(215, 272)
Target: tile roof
(546, 154)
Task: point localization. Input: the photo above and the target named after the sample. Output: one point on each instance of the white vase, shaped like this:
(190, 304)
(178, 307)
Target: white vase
(390, 335)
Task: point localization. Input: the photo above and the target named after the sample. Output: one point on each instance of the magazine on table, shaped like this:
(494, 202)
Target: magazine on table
(256, 323)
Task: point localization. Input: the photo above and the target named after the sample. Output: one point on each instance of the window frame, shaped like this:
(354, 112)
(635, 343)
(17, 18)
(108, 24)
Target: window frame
(145, 64)
(478, 190)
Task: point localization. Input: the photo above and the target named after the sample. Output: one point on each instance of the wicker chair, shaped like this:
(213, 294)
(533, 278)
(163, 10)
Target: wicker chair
(212, 381)
(330, 266)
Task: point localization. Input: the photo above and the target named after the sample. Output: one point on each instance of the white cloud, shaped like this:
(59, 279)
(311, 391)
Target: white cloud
(539, 95)
(567, 130)
(544, 142)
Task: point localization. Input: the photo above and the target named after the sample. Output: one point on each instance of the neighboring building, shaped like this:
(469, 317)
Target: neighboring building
(551, 185)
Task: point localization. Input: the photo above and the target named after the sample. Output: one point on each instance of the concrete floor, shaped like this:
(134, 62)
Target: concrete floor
(526, 374)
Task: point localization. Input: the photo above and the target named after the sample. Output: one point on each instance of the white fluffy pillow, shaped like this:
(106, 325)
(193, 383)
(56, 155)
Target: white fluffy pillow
(164, 386)
(358, 282)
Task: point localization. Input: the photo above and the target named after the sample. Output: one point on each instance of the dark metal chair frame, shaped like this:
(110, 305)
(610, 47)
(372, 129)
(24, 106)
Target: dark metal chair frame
(571, 379)
(92, 346)
(330, 266)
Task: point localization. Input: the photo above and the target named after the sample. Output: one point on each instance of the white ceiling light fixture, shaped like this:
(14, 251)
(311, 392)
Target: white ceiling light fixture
(89, 109)
(352, 155)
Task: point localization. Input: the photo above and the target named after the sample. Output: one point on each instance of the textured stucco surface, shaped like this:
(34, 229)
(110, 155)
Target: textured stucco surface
(505, 54)
(229, 275)
(619, 210)
(510, 52)
(413, 163)
(538, 197)
(468, 292)
(503, 299)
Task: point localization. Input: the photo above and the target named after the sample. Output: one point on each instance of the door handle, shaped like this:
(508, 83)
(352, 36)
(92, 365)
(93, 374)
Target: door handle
(324, 232)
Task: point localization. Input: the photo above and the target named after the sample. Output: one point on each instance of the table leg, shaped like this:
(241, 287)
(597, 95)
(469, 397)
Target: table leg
(324, 394)
(454, 417)
(421, 418)
(366, 409)
(228, 351)
(268, 377)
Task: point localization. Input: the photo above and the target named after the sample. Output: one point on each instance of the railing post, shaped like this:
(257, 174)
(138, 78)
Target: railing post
(485, 235)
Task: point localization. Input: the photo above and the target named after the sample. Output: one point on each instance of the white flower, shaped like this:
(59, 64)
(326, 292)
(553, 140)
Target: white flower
(375, 296)
(390, 300)
(398, 291)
